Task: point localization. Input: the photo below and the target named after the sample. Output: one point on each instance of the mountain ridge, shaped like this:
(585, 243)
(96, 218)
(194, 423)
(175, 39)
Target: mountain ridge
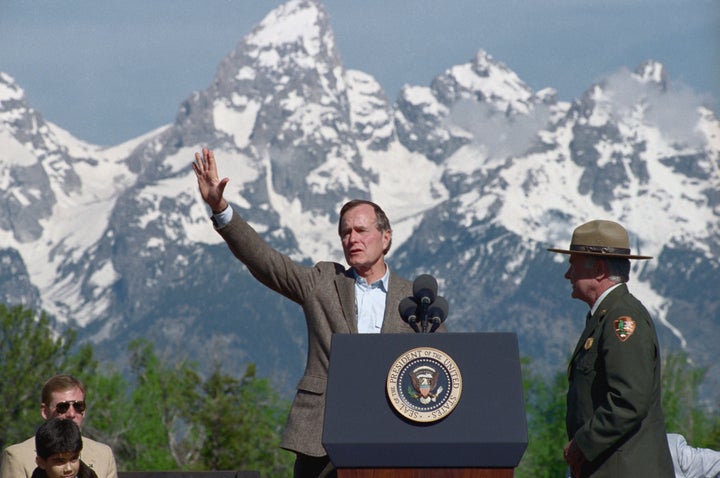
(478, 173)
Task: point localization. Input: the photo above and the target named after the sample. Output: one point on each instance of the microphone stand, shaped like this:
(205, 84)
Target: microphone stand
(422, 313)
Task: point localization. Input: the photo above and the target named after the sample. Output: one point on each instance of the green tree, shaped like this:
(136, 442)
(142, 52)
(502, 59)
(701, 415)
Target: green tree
(175, 420)
(545, 411)
(107, 418)
(151, 425)
(241, 424)
(682, 405)
(31, 351)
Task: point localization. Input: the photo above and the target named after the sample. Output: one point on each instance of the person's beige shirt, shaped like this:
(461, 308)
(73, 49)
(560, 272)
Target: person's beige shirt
(18, 460)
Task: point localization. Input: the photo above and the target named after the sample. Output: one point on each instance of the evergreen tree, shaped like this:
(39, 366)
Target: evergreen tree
(242, 424)
(162, 390)
(108, 416)
(175, 420)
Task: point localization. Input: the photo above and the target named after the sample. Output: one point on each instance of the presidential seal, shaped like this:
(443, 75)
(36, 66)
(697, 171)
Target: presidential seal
(424, 384)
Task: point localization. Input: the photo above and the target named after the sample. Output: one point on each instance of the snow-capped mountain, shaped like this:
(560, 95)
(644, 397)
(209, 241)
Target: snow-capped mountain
(478, 173)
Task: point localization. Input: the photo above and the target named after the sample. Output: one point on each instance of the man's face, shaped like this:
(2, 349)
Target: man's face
(362, 242)
(583, 274)
(60, 465)
(72, 396)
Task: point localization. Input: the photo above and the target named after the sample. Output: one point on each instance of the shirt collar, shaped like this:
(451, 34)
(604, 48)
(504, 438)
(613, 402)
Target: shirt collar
(602, 297)
(384, 280)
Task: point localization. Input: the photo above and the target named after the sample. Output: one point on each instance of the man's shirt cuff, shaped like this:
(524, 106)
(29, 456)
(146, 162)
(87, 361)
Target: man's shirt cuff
(222, 218)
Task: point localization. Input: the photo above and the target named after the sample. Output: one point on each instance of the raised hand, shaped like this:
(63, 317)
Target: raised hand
(210, 185)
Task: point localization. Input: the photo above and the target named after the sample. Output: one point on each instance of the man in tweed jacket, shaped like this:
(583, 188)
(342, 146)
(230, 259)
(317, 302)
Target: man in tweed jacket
(327, 292)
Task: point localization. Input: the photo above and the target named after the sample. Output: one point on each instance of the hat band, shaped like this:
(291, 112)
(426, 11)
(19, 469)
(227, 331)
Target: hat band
(600, 249)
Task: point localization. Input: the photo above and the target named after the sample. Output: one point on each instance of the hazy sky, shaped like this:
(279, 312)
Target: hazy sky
(111, 70)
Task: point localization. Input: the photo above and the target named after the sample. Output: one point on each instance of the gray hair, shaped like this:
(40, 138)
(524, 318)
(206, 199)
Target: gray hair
(618, 267)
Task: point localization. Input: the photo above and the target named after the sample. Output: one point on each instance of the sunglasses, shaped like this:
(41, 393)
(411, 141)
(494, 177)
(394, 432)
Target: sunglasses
(78, 405)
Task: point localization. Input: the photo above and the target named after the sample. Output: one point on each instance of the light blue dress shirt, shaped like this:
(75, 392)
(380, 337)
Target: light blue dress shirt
(370, 302)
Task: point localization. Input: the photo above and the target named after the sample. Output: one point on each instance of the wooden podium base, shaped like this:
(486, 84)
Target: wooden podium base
(425, 473)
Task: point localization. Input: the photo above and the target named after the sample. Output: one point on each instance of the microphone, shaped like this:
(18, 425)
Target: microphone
(437, 312)
(408, 312)
(424, 290)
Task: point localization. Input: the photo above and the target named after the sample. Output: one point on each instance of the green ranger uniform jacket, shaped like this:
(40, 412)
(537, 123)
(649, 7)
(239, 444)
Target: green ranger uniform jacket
(614, 410)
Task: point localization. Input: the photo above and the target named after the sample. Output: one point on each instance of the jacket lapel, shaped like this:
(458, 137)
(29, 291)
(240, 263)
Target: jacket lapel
(590, 325)
(345, 285)
(391, 324)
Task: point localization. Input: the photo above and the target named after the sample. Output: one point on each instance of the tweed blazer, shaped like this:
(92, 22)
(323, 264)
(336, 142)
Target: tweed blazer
(326, 293)
(614, 411)
(18, 460)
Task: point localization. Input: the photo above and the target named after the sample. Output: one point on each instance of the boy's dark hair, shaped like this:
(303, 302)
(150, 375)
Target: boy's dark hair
(57, 435)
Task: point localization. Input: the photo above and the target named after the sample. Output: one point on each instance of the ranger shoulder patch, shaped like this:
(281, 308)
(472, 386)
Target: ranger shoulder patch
(624, 327)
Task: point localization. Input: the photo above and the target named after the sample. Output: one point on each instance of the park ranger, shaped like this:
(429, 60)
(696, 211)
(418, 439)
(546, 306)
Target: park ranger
(614, 420)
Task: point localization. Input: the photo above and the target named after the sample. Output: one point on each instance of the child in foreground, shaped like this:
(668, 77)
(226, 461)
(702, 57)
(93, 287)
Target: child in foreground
(58, 443)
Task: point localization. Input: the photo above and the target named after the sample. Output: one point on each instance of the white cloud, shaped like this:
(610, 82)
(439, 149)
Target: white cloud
(674, 110)
(497, 134)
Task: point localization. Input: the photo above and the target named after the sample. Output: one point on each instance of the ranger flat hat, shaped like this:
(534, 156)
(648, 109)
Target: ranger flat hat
(600, 238)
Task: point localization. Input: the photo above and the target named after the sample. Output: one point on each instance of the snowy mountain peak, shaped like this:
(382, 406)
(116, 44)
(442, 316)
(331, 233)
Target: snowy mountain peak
(293, 40)
(17, 117)
(297, 22)
(484, 80)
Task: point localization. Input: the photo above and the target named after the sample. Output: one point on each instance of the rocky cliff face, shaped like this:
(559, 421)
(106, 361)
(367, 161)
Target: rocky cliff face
(478, 174)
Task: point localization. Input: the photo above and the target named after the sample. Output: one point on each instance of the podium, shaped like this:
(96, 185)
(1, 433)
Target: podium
(367, 435)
